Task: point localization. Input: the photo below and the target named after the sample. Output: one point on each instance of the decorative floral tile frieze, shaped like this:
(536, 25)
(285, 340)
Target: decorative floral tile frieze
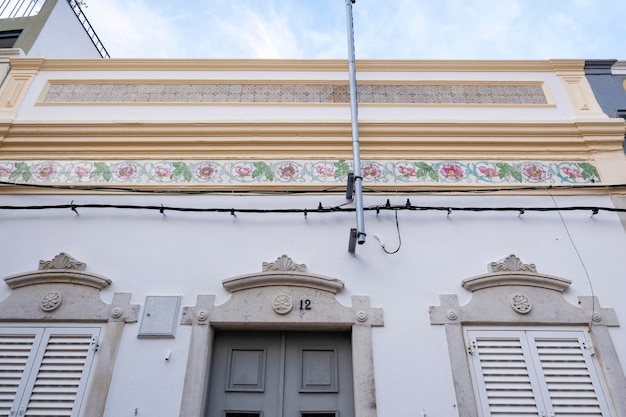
(295, 172)
(529, 94)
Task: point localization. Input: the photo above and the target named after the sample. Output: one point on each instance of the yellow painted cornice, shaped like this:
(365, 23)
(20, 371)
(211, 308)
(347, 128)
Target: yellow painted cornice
(28, 64)
(568, 66)
(557, 65)
(609, 126)
(4, 129)
(313, 140)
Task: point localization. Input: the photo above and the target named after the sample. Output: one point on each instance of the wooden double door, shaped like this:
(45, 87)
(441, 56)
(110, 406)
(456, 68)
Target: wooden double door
(281, 374)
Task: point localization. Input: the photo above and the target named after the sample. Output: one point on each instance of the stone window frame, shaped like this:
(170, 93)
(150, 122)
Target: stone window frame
(527, 356)
(61, 293)
(514, 296)
(269, 301)
(26, 374)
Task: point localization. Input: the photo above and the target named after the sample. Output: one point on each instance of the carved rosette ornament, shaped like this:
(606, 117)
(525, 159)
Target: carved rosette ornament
(452, 315)
(362, 316)
(51, 301)
(202, 315)
(511, 264)
(282, 304)
(117, 312)
(521, 304)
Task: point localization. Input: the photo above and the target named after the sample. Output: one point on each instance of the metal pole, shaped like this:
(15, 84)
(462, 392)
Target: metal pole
(356, 149)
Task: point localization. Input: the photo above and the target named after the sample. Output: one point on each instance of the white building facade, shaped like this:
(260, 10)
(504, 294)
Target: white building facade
(192, 225)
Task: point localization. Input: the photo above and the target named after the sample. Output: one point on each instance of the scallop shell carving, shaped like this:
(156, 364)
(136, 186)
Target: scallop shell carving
(283, 263)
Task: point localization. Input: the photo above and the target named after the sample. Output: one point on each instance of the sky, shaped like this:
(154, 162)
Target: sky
(383, 29)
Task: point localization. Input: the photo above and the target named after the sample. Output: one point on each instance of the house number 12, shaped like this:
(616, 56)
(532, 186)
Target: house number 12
(305, 304)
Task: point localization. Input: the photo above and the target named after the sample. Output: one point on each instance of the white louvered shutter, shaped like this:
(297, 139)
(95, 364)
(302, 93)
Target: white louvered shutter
(569, 374)
(535, 373)
(18, 347)
(504, 374)
(54, 382)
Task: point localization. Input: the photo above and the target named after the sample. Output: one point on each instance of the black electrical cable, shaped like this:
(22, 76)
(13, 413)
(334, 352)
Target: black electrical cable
(399, 239)
(320, 209)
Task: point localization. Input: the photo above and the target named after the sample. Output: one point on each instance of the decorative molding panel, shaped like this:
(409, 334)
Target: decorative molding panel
(365, 65)
(294, 172)
(61, 291)
(283, 271)
(302, 92)
(181, 140)
(283, 263)
(62, 261)
(511, 271)
(511, 264)
(581, 94)
(514, 293)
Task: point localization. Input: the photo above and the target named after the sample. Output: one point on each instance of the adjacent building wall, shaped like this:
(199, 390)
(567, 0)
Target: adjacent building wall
(607, 86)
(54, 32)
(58, 28)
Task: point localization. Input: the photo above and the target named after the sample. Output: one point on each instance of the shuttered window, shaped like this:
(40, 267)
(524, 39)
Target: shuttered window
(536, 373)
(43, 372)
(16, 356)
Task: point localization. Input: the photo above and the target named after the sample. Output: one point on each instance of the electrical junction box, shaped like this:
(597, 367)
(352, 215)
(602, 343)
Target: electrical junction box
(159, 316)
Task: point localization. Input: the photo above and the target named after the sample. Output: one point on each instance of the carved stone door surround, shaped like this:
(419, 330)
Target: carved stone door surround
(283, 296)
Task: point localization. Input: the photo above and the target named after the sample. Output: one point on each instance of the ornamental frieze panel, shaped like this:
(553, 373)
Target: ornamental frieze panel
(295, 172)
(433, 93)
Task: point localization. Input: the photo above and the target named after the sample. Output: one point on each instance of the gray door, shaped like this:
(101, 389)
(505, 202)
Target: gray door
(281, 374)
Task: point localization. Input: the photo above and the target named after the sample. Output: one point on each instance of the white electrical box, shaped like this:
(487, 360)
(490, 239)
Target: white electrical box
(159, 316)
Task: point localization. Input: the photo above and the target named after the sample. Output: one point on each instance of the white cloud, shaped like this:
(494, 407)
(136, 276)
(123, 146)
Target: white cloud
(256, 35)
(133, 29)
(409, 29)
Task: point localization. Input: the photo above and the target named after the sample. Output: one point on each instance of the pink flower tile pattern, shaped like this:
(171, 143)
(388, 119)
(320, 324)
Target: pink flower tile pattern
(286, 172)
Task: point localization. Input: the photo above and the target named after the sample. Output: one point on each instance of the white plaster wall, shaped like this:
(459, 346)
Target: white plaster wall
(286, 113)
(63, 36)
(187, 254)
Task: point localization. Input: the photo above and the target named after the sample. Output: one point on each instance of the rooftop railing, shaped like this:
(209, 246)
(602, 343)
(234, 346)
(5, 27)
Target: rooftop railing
(10, 9)
(88, 28)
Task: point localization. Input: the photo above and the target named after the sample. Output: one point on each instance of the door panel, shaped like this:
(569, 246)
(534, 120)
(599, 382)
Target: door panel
(246, 369)
(235, 390)
(288, 374)
(319, 369)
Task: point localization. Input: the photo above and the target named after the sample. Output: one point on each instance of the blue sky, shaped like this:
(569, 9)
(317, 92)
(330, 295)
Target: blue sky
(384, 29)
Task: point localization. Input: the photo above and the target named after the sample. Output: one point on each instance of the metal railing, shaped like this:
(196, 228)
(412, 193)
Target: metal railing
(88, 28)
(10, 9)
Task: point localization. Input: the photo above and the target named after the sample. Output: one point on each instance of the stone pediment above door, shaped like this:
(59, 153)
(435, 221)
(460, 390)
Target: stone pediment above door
(283, 295)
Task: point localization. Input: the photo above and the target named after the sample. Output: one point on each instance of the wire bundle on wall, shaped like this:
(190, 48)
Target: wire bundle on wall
(408, 206)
